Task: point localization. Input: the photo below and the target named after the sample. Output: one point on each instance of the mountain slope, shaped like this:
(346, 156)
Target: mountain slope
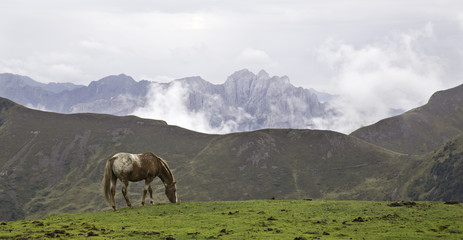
(420, 130)
(293, 164)
(52, 163)
(442, 173)
(58, 159)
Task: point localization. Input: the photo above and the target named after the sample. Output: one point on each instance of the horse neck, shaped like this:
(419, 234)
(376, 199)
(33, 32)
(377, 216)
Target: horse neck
(165, 174)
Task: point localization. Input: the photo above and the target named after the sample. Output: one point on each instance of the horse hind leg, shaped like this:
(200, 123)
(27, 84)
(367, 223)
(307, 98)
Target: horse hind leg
(144, 195)
(113, 192)
(151, 195)
(124, 192)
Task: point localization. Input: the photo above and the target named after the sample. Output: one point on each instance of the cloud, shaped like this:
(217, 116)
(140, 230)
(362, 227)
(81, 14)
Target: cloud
(253, 58)
(254, 55)
(204, 37)
(459, 19)
(169, 102)
(99, 47)
(47, 67)
(183, 104)
(376, 80)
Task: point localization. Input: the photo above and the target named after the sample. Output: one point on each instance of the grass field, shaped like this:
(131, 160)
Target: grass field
(257, 219)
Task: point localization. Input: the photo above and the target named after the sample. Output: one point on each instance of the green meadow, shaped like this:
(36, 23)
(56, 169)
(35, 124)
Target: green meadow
(256, 219)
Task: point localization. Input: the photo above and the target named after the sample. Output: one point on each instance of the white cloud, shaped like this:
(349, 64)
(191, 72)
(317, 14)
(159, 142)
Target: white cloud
(254, 55)
(207, 38)
(102, 48)
(459, 19)
(257, 59)
(171, 102)
(375, 80)
(168, 102)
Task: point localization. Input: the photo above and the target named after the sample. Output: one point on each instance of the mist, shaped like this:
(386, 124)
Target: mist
(379, 80)
(170, 102)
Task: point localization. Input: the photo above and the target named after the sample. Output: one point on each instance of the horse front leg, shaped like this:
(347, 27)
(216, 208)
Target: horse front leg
(145, 190)
(144, 194)
(124, 192)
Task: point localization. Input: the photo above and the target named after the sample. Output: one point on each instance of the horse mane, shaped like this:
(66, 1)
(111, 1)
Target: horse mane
(166, 168)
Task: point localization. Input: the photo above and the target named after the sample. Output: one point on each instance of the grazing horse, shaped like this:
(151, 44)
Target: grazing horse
(136, 167)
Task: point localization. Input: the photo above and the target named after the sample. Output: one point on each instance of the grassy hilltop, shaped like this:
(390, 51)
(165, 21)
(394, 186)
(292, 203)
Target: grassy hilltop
(257, 219)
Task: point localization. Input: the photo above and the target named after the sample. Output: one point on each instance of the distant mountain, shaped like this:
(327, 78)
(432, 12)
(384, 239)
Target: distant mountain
(245, 102)
(52, 162)
(322, 96)
(422, 129)
(117, 95)
(9, 81)
(28, 92)
(250, 102)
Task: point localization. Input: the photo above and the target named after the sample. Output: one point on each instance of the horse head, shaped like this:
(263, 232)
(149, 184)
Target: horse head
(171, 192)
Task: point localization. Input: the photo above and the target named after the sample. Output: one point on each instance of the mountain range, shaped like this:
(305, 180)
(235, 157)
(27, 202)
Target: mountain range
(53, 162)
(245, 102)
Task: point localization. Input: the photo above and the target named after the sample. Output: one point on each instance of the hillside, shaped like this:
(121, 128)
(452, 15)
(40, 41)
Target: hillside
(442, 175)
(53, 163)
(420, 130)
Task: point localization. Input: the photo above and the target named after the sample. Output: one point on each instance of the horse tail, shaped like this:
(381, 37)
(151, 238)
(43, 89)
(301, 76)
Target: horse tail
(108, 175)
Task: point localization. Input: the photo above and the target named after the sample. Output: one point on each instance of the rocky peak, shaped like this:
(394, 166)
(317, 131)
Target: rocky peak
(111, 85)
(263, 75)
(193, 81)
(237, 87)
(117, 80)
(243, 74)
(285, 79)
(14, 80)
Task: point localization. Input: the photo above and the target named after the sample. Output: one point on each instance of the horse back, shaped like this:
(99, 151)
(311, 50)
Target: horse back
(135, 167)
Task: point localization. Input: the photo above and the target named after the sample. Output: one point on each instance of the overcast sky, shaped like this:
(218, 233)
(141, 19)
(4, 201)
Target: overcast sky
(387, 50)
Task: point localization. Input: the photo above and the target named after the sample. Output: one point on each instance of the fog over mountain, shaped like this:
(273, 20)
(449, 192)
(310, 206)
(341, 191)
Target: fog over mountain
(245, 102)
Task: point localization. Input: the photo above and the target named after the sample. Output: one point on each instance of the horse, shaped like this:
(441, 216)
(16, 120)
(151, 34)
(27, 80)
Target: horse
(136, 167)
